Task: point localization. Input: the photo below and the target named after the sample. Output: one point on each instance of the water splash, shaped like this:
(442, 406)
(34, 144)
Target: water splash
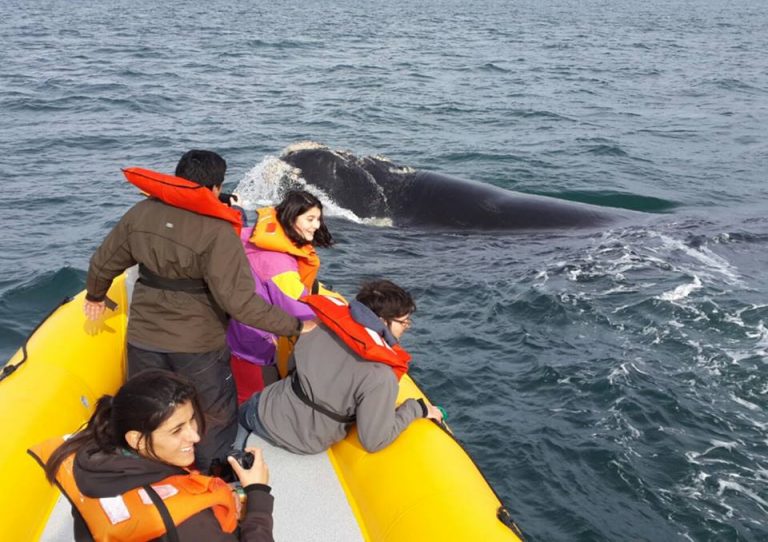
(682, 291)
(267, 182)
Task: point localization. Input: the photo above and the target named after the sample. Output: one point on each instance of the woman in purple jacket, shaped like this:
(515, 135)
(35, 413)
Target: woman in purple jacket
(281, 251)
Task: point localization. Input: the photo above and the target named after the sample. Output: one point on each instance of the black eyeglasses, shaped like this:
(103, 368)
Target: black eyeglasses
(405, 322)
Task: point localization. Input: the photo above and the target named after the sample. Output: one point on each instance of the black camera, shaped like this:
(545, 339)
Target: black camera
(222, 468)
(244, 458)
(225, 197)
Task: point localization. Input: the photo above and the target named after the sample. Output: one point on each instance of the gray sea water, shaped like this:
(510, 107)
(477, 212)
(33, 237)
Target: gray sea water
(611, 384)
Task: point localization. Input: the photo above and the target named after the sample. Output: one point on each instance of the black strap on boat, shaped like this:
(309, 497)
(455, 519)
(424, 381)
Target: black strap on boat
(502, 513)
(171, 534)
(299, 391)
(191, 286)
(8, 370)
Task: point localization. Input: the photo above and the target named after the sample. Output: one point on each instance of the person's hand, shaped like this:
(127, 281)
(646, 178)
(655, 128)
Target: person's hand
(234, 199)
(94, 309)
(309, 325)
(434, 413)
(257, 474)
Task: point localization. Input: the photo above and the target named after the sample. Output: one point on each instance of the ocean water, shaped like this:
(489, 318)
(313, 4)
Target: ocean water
(611, 384)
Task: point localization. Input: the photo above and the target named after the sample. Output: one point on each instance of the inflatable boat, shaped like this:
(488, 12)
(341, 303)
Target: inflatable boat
(423, 487)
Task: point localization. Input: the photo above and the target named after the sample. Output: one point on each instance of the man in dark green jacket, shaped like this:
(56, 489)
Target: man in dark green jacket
(193, 277)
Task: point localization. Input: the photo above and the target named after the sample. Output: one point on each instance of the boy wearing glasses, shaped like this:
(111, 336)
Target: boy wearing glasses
(345, 371)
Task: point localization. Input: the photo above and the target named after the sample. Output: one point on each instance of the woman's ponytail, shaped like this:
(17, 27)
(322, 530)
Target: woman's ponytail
(142, 404)
(98, 431)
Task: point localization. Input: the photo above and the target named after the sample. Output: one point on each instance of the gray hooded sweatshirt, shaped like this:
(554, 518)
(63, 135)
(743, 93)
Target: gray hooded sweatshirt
(339, 380)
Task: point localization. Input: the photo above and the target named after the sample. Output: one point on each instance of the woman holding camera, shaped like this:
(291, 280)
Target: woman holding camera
(128, 474)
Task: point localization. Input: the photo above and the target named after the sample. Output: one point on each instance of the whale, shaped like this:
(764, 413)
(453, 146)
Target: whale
(374, 187)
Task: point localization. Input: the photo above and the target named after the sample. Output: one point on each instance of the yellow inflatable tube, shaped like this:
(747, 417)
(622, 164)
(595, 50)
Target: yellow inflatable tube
(70, 364)
(423, 486)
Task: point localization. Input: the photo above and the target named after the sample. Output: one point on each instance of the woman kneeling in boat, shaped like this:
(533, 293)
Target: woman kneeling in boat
(284, 263)
(346, 371)
(127, 473)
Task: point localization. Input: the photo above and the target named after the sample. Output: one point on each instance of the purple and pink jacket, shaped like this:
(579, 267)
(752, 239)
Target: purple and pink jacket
(276, 275)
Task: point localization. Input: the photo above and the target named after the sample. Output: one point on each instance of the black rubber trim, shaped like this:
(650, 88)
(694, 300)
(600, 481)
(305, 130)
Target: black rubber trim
(8, 370)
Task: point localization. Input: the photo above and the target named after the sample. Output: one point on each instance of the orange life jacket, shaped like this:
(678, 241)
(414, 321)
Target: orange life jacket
(132, 516)
(369, 345)
(184, 194)
(268, 234)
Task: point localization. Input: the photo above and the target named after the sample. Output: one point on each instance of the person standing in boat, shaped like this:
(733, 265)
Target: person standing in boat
(346, 371)
(281, 251)
(193, 275)
(127, 473)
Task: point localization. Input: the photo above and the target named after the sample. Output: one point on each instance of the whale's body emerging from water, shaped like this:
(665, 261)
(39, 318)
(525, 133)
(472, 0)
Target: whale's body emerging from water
(376, 188)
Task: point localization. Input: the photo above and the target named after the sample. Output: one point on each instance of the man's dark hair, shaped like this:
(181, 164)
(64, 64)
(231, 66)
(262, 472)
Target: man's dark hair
(205, 168)
(294, 204)
(386, 299)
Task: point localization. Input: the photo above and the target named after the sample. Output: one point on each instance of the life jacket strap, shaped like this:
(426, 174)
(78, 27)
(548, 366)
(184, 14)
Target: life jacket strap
(191, 286)
(171, 534)
(299, 391)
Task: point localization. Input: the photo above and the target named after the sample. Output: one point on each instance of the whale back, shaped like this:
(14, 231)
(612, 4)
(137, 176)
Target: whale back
(373, 187)
(433, 199)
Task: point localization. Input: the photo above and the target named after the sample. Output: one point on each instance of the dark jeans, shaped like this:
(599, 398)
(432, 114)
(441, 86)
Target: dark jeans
(212, 377)
(249, 417)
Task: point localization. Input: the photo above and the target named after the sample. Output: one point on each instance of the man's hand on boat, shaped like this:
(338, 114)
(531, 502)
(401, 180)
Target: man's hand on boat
(434, 413)
(94, 309)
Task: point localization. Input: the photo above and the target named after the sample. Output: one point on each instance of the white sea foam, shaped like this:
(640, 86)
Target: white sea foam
(682, 291)
(711, 261)
(745, 403)
(624, 252)
(723, 444)
(620, 372)
(724, 485)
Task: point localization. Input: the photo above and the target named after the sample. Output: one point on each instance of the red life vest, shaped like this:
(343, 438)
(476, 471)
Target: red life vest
(184, 194)
(369, 345)
(132, 516)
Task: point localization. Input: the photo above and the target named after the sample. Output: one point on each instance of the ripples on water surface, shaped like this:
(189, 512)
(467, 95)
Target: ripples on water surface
(611, 384)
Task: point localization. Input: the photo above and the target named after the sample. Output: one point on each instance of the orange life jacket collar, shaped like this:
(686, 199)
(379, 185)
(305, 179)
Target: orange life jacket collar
(369, 345)
(268, 234)
(183, 194)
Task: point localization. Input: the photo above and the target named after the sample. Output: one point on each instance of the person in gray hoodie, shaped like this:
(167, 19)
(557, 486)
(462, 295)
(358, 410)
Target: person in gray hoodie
(345, 371)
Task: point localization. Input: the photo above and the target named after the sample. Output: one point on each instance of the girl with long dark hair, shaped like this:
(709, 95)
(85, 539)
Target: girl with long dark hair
(127, 473)
(285, 264)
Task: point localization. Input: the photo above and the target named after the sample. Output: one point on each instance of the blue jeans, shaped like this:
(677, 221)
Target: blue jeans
(249, 417)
